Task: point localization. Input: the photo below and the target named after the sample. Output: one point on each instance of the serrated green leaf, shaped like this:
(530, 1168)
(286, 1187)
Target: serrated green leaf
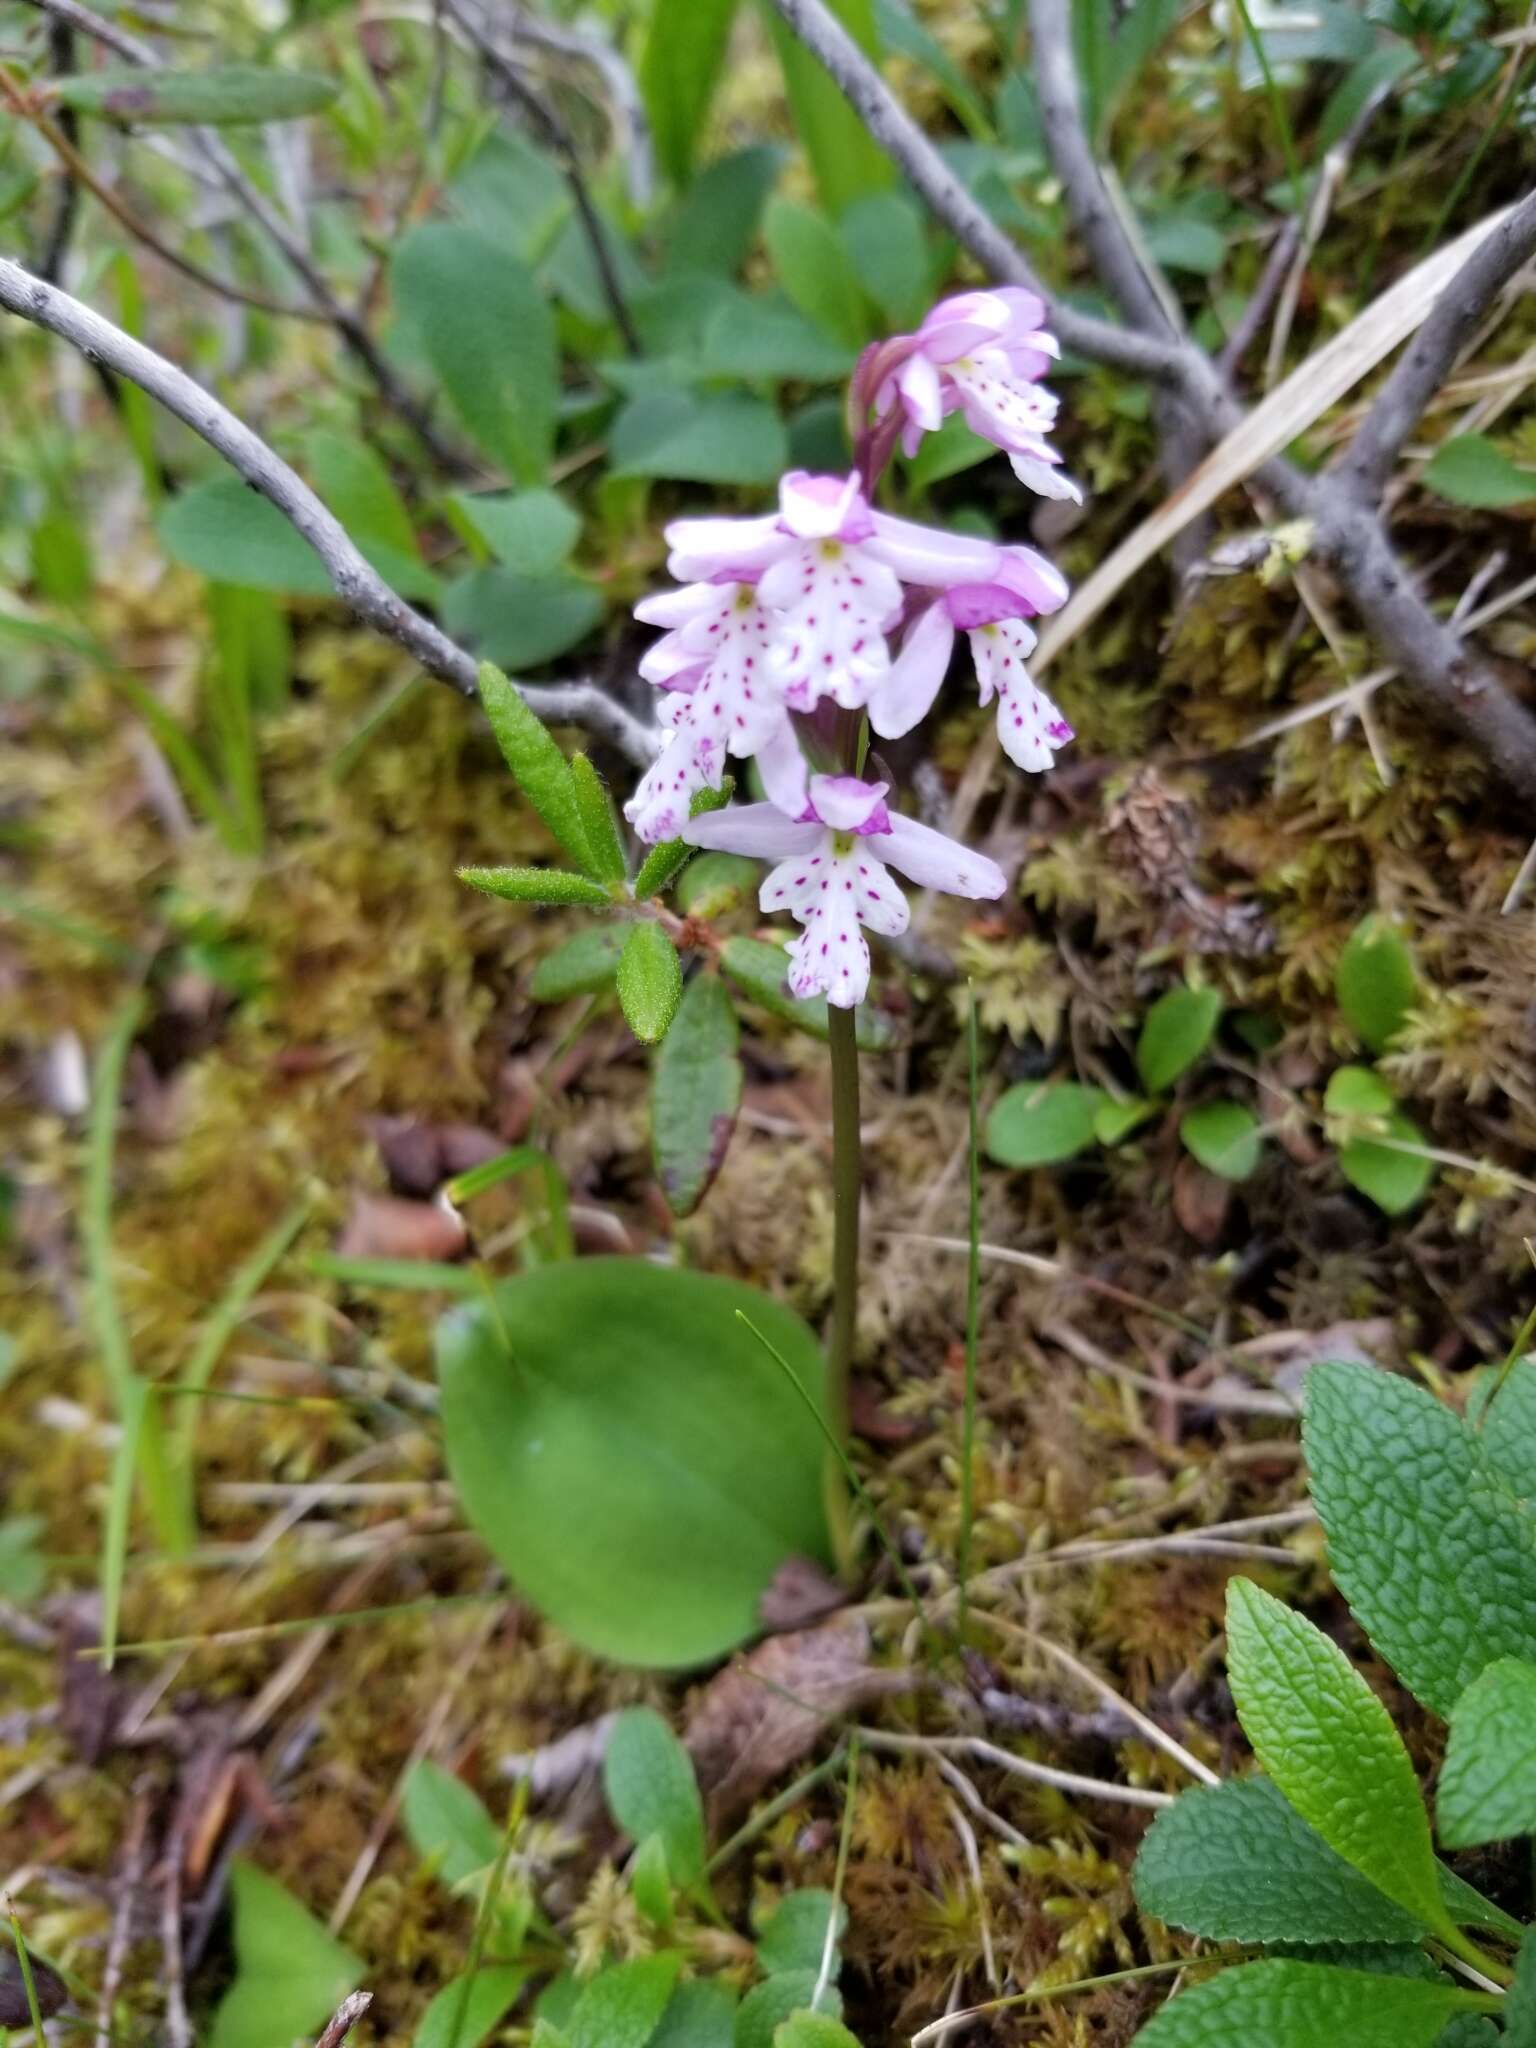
(1041, 1123)
(651, 1789)
(1281, 2004)
(621, 2006)
(1236, 1862)
(1376, 981)
(537, 885)
(794, 1936)
(538, 767)
(1507, 1429)
(1433, 1554)
(1329, 1744)
(584, 964)
(596, 813)
(696, 1088)
(650, 1881)
(811, 263)
(1487, 1789)
(467, 2008)
(290, 1975)
(1520, 2004)
(447, 1824)
(768, 2005)
(650, 981)
(813, 2030)
(1178, 1028)
(1224, 1137)
(760, 968)
(484, 326)
(1114, 1122)
(700, 2014)
(224, 93)
(1384, 1959)
(1469, 469)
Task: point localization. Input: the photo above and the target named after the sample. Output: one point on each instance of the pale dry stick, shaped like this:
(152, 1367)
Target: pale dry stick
(1256, 312)
(178, 2024)
(1520, 884)
(1051, 1269)
(626, 103)
(346, 2017)
(972, 1852)
(1005, 1829)
(307, 1651)
(1309, 590)
(1218, 1399)
(355, 581)
(1019, 1766)
(129, 1877)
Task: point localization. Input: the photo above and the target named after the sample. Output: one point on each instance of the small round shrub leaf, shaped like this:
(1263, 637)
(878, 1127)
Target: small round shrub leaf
(1178, 1028)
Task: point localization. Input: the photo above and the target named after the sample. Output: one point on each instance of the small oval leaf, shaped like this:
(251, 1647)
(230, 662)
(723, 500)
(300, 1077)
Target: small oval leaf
(1178, 1028)
(1224, 1137)
(1375, 981)
(650, 979)
(1041, 1123)
(695, 1093)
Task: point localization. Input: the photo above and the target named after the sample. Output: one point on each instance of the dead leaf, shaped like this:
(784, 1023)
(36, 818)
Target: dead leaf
(1202, 1201)
(387, 1227)
(420, 1156)
(799, 1592)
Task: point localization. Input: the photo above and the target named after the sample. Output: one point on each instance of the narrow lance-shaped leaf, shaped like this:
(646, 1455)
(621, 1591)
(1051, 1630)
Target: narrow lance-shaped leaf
(695, 1093)
(223, 93)
(1329, 1744)
(540, 769)
(536, 885)
(650, 981)
(596, 813)
(680, 67)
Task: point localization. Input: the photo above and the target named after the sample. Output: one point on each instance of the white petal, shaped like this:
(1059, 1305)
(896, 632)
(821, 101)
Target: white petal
(795, 884)
(845, 802)
(881, 905)
(677, 607)
(1046, 478)
(833, 602)
(1028, 724)
(688, 763)
(830, 957)
(782, 766)
(907, 693)
(918, 382)
(926, 856)
(704, 549)
(930, 558)
(757, 829)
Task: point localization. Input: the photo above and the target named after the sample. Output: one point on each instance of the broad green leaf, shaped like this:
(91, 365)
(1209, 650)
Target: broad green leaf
(1520, 2004)
(223, 93)
(622, 2005)
(290, 1976)
(1357, 1092)
(759, 968)
(466, 2010)
(680, 67)
(716, 224)
(700, 2014)
(768, 2005)
(1375, 981)
(695, 1093)
(1507, 1429)
(811, 263)
(447, 1824)
(483, 325)
(521, 621)
(794, 1936)
(597, 822)
(1329, 1744)
(1282, 2004)
(225, 530)
(631, 1454)
(513, 192)
(537, 885)
(770, 344)
(359, 489)
(1487, 1789)
(583, 964)
(650, 981)
(1470, 470)
(1236, 1862)
(885, 237)
(531, 533)
(844, 157)
(1178, 1028)
(1183, 241)
(712, 437)
(1224, 1137)
(1433, 1554)
(1468, 2030)
(1039, 1123)
(650, 1881)
(538, 767)
(651, 1789)
(813, 2030)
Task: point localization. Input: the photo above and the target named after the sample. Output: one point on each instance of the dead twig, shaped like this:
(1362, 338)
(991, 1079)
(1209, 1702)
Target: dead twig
(346, 2017)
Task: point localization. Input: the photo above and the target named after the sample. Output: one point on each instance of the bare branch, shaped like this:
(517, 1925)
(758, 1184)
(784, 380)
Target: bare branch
(1429, 359)
(356, 582)
(347, 2015)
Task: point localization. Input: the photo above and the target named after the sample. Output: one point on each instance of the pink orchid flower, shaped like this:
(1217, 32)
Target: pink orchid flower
(982, 353)
(833, 874)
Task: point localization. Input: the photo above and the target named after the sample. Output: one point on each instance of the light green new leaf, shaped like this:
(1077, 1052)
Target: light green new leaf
(650, 1882)
(447, 1824)
(1114, 1122)
(650, 981)
(596, 813)
(812, 264)
(1178, 1028)
(1362, 1111)
(485, 328)
(621, 2006)
(1434, 1555)
(536, 885)
(1224, 1137)
(585, 963)
(651, 1789)
(467, 2009)
(768, 2005)
(680, 67)
(1487, 1789)
(224, 93)
(1375, 981)
(1469, 469)
(813, 2030)
(794, 1936)
(696, 1088)
(1282, 2004)
(1329, 1744)
(1236, 1862)
(1040, 1123)
(290, 1976)
(541, 771)
(637, 1464)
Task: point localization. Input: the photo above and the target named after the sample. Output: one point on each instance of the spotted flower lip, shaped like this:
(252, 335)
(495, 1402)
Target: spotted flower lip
(833, 874)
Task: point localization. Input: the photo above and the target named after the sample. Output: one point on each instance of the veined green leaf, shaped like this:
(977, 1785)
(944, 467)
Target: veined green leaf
(1487, 1789)
(1282, 2004)
(651, 1789)
(695, 1093)
(650, 981)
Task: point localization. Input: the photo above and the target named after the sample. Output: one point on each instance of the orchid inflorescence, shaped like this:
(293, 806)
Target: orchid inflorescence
(779, 643)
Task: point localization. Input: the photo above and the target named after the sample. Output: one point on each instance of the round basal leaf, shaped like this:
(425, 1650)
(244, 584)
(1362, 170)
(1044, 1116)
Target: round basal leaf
(1178, 1028)
(650, 981)
(1114, 1121)
(1040, 1123)
(223, 93)
(794, 1936)
(695, 1093)
(632, 1454)
(1224, 1137)
(1394, 1180)
(1357, 1092)
(768, 2005)
(1375, 981)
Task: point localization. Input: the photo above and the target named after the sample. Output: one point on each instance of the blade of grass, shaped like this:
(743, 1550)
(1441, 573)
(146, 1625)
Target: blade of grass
(844, 1843)
(266, 1631)
(196, 777)
(517, 1808)
(24, 1962)
(66, 927)
(417, 1275)
(1276, 106)
(972, 1315)
(243, 1285)
(132, 1406)
(521, 1159)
